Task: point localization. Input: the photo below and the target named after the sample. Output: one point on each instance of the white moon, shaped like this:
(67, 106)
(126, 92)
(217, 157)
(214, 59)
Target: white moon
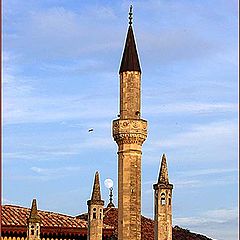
(108, 183)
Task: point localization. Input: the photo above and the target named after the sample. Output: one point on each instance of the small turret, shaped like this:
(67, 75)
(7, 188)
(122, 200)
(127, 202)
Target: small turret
(95, 212)
(163, 204)
(34, 221)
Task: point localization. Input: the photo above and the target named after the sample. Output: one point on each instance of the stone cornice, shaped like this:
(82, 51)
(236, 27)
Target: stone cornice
(158, 186)
(129, 131)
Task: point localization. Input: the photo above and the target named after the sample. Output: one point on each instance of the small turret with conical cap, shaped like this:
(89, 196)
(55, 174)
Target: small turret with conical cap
(34, 222)
(96, 193)
(163, 204)
(33, 214)
(163, 174)
(95, 211)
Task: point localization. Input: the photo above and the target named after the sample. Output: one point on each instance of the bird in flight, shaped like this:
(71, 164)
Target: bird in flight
(90, 130)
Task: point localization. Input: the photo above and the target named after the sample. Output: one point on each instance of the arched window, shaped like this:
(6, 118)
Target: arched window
(32, 232)
(169, 199)
(100, 216)
(163, 199)
(94, 213)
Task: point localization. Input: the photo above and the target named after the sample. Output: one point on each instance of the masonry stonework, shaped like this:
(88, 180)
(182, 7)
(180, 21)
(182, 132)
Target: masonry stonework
(95, 212)
(33, 223)
(129, 132)
(163, 204)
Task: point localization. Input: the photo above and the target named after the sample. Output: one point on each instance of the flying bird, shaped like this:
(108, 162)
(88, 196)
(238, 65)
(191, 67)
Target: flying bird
(90, 130)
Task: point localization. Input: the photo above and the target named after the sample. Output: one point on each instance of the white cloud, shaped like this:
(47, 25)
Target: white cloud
(215, 132)
(219, 224)
(59, 32)
(57, 171)
(6, 201)
(191, 108)
(43, 152)
(212, 171)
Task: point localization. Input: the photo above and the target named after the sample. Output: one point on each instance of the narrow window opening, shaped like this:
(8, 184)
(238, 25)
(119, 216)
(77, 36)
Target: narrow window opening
(169, 201)
(32, 232)
(94, 215)
(163, 200)
(100, 216)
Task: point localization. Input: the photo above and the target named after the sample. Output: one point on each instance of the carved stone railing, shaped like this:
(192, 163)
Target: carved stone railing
(129, 131)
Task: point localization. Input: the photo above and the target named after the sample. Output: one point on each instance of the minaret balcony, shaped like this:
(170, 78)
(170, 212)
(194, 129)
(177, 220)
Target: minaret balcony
(130, 130)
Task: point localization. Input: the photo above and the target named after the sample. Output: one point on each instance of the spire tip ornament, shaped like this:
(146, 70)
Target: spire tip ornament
(130, 15)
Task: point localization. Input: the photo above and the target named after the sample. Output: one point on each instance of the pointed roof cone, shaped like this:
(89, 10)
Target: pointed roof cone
(96, 193)
(34, 212)
(163, 174)
(130, 61)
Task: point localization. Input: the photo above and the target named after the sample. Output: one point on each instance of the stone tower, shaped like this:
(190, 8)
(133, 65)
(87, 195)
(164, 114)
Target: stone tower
(33, 223)
(129, 132)
(163, 204)
(95, 212)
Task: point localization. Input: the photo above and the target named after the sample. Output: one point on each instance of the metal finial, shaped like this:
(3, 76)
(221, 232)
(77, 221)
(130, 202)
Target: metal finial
(110, 204)
(130, 15)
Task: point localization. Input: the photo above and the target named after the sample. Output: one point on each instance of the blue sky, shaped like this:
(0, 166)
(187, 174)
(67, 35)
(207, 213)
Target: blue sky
(60, 78)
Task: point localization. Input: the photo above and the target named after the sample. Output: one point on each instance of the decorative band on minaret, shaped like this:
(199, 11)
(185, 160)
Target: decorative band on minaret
(129, 132)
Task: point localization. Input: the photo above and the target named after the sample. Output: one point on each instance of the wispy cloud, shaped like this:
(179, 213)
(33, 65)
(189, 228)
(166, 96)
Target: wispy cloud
(217, 223)
(201, 178)
(191, 108)
(213, 171)
(45, 152)
(54, 173)
(6, 201)
(204, 133)
(223, 217)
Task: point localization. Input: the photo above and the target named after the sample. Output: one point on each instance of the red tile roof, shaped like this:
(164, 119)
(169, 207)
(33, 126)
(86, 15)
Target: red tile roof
(14, 218)
(17, 216)
(147, 225)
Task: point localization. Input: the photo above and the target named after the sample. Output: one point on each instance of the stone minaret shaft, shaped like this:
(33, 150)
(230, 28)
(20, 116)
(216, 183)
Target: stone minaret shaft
(95, 212)
(34, 221)
(163, 204)
(129, 131)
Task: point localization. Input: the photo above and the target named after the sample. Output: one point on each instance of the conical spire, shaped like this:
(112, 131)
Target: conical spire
(34, 212)
(163, 174)
(96, 193)
(130, 61)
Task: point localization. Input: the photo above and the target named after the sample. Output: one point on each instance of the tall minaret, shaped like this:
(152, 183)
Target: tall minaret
(163, 204)
(95, 212)
(129, 131)
(34, 221)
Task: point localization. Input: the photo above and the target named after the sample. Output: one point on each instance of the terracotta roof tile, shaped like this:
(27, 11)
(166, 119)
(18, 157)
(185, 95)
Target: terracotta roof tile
(147, 225)
(17, 216)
